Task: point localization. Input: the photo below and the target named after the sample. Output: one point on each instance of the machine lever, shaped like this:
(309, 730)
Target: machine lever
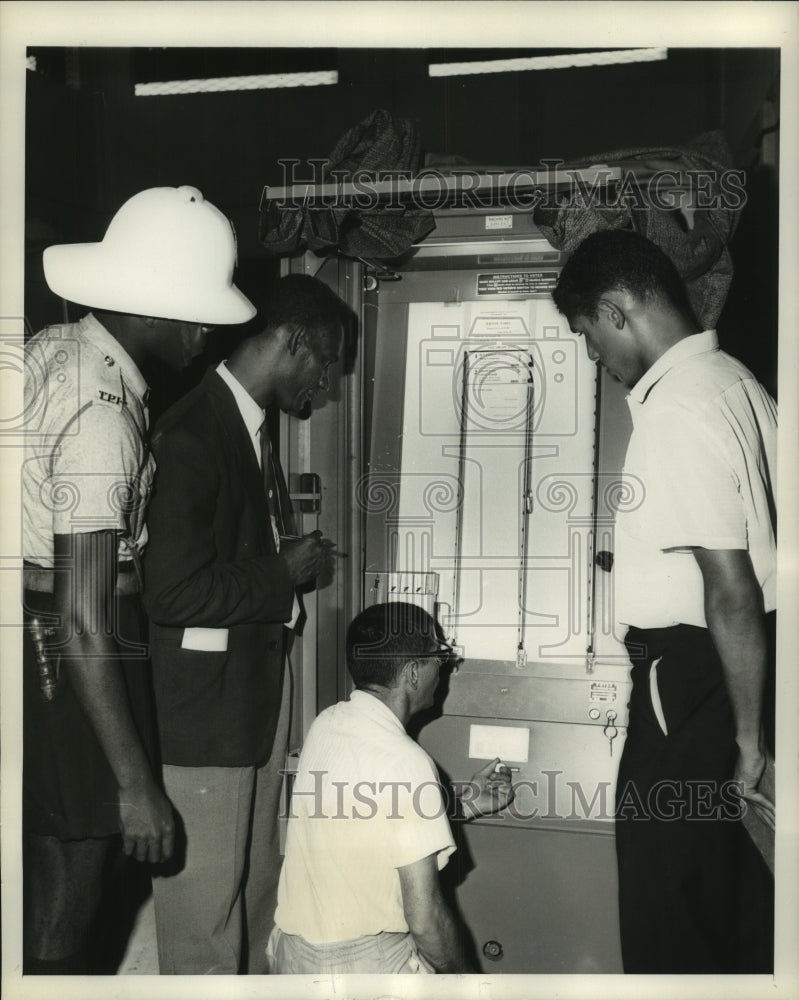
(610, 731)
(310, 495)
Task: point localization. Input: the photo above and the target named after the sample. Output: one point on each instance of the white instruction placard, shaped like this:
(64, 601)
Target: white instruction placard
(509, 743)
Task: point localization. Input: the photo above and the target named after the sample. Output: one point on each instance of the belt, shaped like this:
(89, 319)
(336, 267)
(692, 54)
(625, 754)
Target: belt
(40, 578)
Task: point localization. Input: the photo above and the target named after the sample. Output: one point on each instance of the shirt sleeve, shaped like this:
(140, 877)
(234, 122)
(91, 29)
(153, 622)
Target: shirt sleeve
(95, 483)
(421, 827)
(691, 486)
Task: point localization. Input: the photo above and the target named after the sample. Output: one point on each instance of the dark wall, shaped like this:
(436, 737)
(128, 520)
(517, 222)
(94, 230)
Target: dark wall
(92, 144)
(229, 144)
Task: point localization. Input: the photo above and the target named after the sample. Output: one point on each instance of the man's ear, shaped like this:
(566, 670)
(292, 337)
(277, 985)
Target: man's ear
(611, 311)
(411, 672)
(295, 337)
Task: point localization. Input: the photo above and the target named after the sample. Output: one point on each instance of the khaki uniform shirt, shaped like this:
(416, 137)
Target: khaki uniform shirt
(87, 464)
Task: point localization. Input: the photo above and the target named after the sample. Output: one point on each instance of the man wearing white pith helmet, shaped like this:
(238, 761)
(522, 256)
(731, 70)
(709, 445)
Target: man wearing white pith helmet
(157, 282)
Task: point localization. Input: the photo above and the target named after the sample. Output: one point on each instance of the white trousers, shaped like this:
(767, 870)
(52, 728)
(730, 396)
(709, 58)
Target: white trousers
(392, 953)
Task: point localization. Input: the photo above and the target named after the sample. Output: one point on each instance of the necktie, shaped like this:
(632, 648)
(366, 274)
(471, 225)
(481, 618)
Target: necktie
(275, 490)
(277, 500)
(271, 491)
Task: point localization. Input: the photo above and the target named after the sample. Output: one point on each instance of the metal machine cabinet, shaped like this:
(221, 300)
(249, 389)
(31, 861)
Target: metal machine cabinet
(470, 463)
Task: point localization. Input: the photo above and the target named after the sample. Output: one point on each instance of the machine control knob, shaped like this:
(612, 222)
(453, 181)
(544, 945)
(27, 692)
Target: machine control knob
(594, 713)
(493, 950)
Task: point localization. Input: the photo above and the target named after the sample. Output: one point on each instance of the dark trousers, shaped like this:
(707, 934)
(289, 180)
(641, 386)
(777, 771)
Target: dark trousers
(79, 891)
(694, 894)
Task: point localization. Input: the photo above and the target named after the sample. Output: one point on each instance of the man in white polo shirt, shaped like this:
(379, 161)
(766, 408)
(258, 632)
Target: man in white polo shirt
(695, 587)
(368, 831)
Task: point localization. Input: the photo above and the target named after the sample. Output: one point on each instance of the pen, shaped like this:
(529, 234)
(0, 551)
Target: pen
(298, 538)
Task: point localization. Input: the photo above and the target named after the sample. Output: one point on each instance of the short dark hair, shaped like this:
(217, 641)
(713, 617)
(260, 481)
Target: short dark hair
(381, 639)
(301, 302)
(619, 258)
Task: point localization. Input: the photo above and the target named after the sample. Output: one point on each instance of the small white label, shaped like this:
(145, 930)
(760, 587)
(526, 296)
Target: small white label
(509, 743)
(499, 222)
(205, 640)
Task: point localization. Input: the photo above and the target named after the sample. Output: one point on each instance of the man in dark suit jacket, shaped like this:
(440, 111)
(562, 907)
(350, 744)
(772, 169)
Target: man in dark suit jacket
(221, 581)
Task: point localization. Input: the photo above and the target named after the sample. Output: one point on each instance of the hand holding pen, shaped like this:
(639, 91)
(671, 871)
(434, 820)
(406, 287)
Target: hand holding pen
(307, 556)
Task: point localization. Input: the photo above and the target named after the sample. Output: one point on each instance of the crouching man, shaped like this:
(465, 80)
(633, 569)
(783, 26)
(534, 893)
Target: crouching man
(368, 830)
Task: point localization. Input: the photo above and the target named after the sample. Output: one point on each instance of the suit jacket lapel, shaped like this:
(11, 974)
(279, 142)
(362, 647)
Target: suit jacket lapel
(241, 447)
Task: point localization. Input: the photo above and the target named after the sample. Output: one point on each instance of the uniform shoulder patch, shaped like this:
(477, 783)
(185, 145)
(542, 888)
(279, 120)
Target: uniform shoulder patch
(109, 397)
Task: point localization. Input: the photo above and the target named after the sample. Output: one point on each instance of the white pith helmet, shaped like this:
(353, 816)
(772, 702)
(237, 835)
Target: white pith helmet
(167, 253)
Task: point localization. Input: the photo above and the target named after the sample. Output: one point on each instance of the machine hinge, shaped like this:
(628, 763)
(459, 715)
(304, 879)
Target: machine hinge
(310, 495)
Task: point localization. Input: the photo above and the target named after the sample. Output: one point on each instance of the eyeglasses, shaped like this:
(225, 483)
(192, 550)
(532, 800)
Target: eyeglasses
(446, 655)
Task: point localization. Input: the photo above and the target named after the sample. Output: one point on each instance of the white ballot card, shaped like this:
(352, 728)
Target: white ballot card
(509, 743)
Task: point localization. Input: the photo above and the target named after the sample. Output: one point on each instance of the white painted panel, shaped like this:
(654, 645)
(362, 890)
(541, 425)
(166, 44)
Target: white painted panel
(555, 605)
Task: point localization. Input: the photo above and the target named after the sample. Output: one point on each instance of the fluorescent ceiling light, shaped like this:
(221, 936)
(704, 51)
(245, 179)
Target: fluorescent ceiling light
(565, 61)
(219, 84)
